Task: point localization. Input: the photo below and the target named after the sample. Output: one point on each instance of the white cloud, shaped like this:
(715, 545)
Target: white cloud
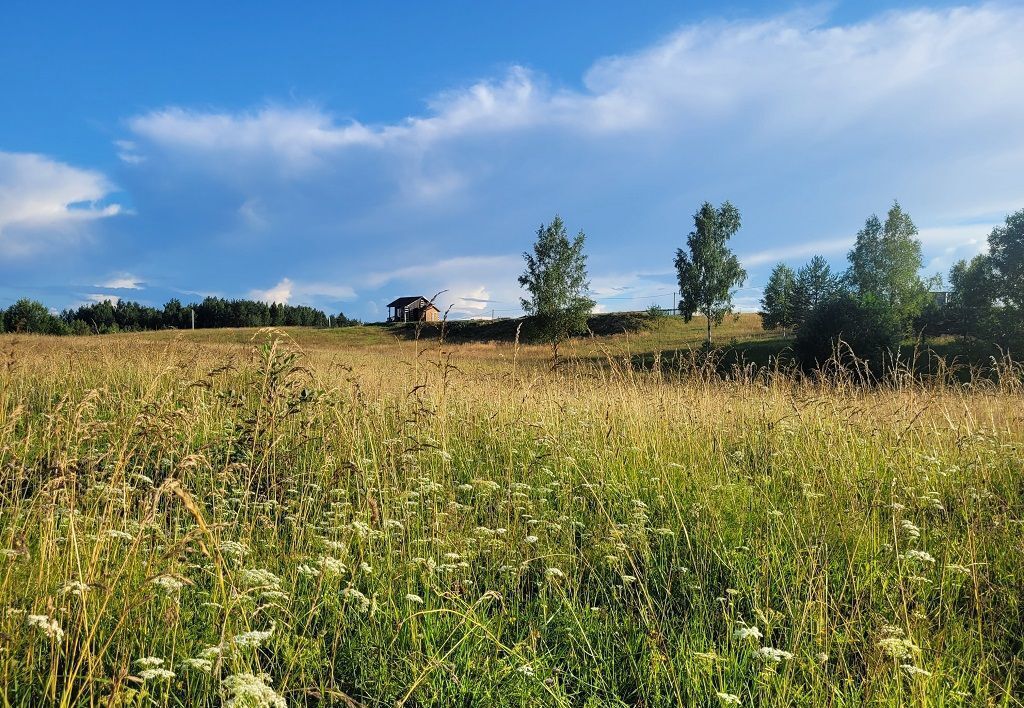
(288, 292)
(122, 281)
(43, 202)
(280, 293)
(807, 126)
(824, 247)
(102, 297)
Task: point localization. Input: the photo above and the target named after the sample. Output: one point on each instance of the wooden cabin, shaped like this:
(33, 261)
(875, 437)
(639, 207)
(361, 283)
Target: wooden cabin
(412, 309)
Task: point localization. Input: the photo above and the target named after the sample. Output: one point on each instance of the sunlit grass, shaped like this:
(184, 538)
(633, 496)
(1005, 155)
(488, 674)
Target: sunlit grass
(212, 520)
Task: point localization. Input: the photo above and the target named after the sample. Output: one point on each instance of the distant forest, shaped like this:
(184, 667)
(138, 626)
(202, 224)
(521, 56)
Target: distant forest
(126, 316)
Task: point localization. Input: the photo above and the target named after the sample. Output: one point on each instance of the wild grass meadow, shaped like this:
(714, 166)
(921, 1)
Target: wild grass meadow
(341, 520)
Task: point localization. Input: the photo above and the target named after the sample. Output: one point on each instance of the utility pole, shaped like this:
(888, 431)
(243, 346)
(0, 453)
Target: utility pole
(193, 312)
(673, 302)
(328, 321)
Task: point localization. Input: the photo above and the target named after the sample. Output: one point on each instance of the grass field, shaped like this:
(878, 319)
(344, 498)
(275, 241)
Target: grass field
(358, 517)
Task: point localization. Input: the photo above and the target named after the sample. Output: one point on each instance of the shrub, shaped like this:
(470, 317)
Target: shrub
(867, 328)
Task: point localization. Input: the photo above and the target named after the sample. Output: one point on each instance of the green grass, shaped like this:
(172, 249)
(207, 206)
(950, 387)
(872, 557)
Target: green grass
(379, 521)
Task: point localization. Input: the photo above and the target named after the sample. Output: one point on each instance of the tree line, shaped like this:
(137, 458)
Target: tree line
(126, 316)
(871, 307)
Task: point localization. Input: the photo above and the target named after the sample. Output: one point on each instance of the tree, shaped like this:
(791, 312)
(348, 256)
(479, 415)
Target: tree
(710, 271)
(777, 304)
(971, 298)
(556, 279)
(1006, 252)
(31, 316)
(815, 283)
(845, 323)
(885, 261)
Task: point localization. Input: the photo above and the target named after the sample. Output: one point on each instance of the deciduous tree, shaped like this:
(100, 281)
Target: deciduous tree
(708, 271)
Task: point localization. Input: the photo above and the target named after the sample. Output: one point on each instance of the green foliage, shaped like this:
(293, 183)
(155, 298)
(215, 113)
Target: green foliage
(709, 271)
(778, 306)
(184, 525)
(127, 316)
(657, 312)
(885, 261)
(815, 283)
(970, 308)
(867, 328)
(32, 317)
(556, 280)
(1006, 252)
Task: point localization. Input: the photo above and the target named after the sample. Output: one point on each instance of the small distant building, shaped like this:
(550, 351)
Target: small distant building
(940, 297)
(415, 308)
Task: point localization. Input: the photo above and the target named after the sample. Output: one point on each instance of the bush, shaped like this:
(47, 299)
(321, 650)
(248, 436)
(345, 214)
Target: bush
(866, 327)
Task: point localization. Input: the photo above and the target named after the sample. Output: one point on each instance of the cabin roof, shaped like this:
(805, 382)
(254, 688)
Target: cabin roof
(410, 300)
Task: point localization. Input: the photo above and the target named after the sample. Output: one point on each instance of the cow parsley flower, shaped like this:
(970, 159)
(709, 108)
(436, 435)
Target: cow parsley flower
(49, 627)
(415, 599)
(897, 647)
(75, 587)
(254, 638)
(919, 556)
(362, 601)
(168, 584)
(252, 691)
(743, 633)
(914, 671)
(774, 655)
(552, 573)
(729, 699)
(199, 664)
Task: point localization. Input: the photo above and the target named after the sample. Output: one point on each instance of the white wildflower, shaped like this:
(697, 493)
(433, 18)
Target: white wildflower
(160, 674)
(415, 599)
(254, 638)
(743, 632)
(199, 664)
(361, 600)
(919, 556)
(259, 578)
(526, 670)
(897, 647)
(149, 662)
(914, 671)
(553, 572)
(729, 699)
(233, 549)
(532, 539)
(910, 529)
(308, 571)
(119, 535)
(75, 587)
(332, 566)
(773, 654)
(168, 584)
(49, 627)
(252, 691)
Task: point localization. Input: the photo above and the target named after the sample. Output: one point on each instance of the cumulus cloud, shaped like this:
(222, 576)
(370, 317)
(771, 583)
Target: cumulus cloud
(44, 202)
(807, 125)
(122, 281)
(291, 293)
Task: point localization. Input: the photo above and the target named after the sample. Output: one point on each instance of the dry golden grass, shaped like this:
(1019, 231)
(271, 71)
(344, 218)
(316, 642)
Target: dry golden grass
(318, 518)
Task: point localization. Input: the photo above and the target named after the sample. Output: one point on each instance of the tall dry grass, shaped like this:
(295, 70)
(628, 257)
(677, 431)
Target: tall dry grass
(213, 523)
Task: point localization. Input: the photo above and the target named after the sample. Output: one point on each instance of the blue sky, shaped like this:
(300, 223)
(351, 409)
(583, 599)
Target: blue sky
(341, 156)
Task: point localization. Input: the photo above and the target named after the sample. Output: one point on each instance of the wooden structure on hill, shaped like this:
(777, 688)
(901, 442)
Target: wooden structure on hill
(414, 308)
